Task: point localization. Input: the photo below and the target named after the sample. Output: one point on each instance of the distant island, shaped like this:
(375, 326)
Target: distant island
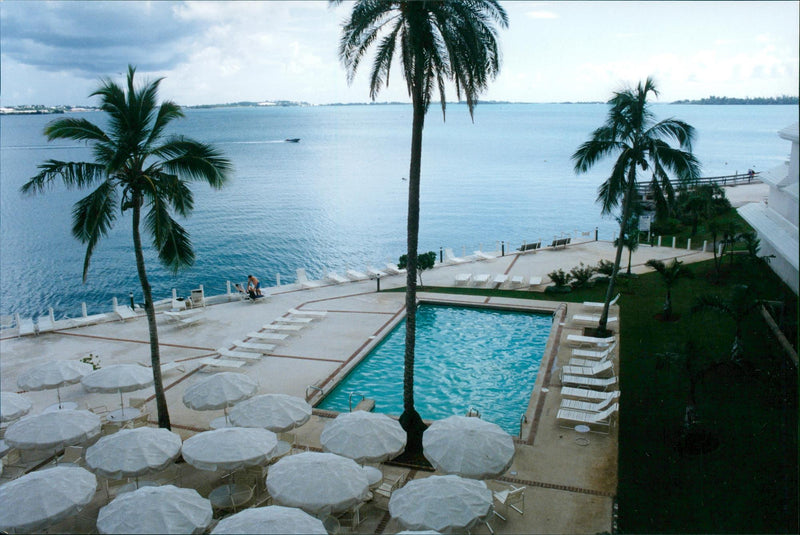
(783, 99)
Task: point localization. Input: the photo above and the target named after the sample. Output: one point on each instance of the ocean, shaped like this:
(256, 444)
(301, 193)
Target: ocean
(337, 199)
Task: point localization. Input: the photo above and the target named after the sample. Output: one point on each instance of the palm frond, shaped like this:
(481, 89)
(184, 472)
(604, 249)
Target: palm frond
(72, 174)
(169, 238)
(194, 161)
(92, 218)
(75, 129)
(167, 112)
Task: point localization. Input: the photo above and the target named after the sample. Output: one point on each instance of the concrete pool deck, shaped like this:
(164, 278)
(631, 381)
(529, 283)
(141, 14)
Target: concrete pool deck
(571, 484)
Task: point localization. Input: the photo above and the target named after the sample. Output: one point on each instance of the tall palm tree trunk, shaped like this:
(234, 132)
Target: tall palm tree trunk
(626, 208)
(155, 357)
(410, 419)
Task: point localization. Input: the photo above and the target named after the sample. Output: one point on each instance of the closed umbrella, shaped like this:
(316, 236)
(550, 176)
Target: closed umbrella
(133, 452)
(53, 431)
(273, 519)
(119, 378)
(166, 509)
(469, 447)
(54, 374)
(364, 436)
(441, 503)
(13, 406)
(219, 391)
(318, 483)
(44, 497)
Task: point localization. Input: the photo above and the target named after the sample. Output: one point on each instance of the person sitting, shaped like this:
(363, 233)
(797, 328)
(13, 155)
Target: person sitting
(253, 287)
(240, 289)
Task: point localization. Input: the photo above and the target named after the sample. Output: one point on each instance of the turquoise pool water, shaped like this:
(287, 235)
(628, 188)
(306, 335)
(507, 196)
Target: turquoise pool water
(465, 357)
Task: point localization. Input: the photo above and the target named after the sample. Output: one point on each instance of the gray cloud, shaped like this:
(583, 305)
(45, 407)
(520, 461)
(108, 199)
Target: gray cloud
(90, 39)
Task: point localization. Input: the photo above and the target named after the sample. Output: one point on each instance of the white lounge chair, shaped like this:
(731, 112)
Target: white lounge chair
(589, 406)
(311, 313)
(450, 258)
(585, 394)
(586, 363)
(46, 323)
(535, 281)
(589, 382)
(571, 418)
(593, 354)
(484, 256)
(255, 347)
(517, 281)
(481, 279)
(594, 304)
(591, 341)
(354, 275)
(302, 279)
(25, 326)
(282, 327)
(335, 278)
(394, 270)
(221, 363)
(463, 278)
(293, 319)
(499, 279)
(239, 355)
(593, 319)
(272, 338)
(601, 369)
(374, 273)
(123, 312)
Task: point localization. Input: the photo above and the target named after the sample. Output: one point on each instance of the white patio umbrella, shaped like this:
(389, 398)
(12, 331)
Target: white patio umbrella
(229, 448)
(13, 406)
(469, 447)
(318, 483)
(441, 503)
(273, 519)
(44, 497)
(118, 378)
(133, 452)
(276, 412)
(219, 391)
(53, 431)
(165, 509)
(364, 436)
(53, 374)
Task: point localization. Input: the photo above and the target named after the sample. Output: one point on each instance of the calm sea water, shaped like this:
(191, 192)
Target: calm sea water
(459, 365)
(337, 199)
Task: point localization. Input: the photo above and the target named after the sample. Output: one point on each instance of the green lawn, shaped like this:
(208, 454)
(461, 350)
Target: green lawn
(749, 483)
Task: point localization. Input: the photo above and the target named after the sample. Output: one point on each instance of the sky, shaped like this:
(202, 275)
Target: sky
(56, 52)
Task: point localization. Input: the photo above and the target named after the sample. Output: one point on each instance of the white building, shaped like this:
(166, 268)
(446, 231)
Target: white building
(776, 220)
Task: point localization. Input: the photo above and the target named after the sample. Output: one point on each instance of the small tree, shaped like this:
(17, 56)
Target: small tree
(561, 281)
(424, 261)
(738, 306)
(631, 237)
(670, 274)
(581, 274)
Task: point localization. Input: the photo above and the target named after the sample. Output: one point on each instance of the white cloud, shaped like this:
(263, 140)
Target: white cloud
(541, 15)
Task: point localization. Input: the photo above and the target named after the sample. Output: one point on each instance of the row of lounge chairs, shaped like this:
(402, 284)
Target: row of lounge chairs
(257, 344)
(497, 281)
(586, 398)
(351, 275)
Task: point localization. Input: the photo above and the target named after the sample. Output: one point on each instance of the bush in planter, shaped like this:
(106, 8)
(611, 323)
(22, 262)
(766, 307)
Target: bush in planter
(581, 275)
(561, 281)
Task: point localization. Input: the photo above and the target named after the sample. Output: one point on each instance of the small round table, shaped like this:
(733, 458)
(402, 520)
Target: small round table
(230, 496)
(123, 415)
(582, 440)
(64, 405)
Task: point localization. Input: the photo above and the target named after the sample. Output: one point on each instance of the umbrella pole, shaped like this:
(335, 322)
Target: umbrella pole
(58, 394)
(121, 403)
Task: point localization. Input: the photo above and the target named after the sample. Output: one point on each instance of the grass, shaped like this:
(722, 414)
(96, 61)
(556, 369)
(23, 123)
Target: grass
(749, 483)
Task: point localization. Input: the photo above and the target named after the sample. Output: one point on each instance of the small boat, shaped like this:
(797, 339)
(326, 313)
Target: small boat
(292, 140)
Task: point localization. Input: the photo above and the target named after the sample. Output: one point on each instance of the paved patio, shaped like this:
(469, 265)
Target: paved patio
(570, 483)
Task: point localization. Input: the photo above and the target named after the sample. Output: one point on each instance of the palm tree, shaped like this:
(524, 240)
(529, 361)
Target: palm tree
(631, 239)
(436, 42)
(737, 307)
(631, 132)
(136, 166)
(670, 273)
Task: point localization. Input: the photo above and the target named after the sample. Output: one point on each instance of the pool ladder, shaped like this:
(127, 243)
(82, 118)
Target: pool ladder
(473, 412)
(313, 387)
(350, 399)
(522, 420)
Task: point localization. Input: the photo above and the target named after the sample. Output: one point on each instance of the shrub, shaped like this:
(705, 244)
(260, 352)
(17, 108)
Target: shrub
(581, 274)
(560, 278)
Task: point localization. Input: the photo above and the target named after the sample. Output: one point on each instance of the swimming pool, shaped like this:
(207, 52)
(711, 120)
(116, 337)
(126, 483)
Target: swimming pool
(466, 357)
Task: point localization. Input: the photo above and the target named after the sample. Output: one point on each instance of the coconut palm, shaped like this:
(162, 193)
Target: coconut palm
(631, 238)
(437, 43)
(631, 132)
(737, 307)
(670, 273)
(136, 166)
